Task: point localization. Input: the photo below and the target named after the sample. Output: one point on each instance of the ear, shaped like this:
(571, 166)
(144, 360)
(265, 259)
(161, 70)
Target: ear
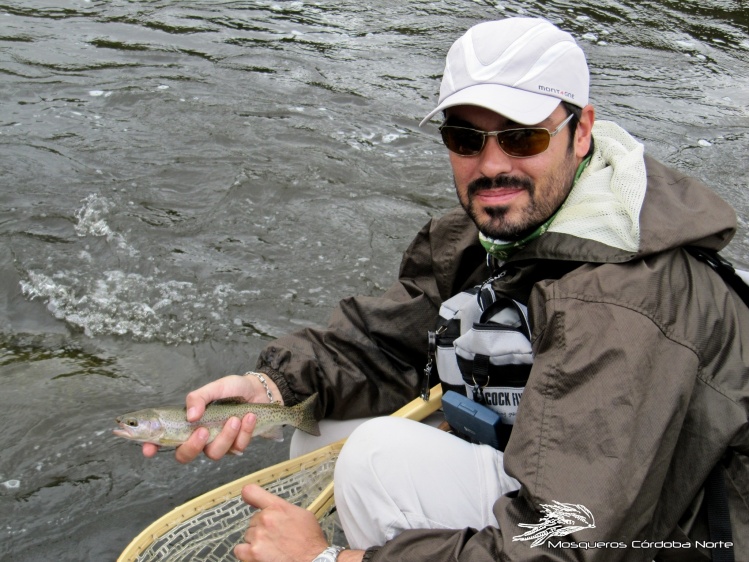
(584, 131)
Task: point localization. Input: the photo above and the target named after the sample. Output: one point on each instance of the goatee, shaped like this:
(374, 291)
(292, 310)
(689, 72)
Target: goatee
(496, 214)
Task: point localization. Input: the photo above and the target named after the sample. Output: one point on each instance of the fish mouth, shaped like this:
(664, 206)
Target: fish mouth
(122, 433)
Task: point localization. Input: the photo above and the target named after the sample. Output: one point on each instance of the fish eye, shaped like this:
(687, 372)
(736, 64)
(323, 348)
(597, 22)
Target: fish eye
(132, 423)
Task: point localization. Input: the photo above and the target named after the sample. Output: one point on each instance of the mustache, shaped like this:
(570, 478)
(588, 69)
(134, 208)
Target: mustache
(500, 181)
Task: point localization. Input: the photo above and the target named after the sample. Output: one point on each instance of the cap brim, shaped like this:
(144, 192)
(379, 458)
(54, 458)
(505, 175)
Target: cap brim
(516, 105)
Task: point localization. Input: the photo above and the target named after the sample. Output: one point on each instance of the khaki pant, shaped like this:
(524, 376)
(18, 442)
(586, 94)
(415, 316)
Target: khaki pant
(395, 474)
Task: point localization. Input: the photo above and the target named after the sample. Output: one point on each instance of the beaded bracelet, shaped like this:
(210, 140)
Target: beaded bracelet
(264, 382)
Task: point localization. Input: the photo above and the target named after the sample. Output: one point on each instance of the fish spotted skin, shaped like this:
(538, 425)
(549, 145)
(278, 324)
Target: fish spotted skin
(168, 425)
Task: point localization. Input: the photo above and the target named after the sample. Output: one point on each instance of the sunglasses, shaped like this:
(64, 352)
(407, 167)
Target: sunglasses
(518, 143)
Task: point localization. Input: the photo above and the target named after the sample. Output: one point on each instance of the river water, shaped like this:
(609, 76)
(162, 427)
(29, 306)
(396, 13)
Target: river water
(184, 181)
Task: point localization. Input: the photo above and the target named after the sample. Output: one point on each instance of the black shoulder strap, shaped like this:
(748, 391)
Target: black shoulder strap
(718, 515)
(724, 268)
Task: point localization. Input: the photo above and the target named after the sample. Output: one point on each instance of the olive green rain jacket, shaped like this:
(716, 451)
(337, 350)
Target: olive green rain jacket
(640, 381)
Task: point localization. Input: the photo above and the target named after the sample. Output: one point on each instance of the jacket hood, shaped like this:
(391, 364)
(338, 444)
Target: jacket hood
(627, 205)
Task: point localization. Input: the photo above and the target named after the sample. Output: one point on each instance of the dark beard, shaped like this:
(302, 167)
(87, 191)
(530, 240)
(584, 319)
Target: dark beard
(497, 214)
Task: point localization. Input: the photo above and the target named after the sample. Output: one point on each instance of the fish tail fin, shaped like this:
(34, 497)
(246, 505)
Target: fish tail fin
(305, 418)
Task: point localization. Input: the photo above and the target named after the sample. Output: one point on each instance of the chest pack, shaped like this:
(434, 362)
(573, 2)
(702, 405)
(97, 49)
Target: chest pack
(481, 349)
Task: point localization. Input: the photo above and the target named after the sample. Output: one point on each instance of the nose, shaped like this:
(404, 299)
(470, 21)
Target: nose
(492, 160)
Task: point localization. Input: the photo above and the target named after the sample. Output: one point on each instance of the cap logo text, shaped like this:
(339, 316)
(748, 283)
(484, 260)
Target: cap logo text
(557, 92)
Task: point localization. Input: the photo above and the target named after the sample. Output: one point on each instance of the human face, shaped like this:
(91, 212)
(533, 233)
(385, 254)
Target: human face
(509, 197)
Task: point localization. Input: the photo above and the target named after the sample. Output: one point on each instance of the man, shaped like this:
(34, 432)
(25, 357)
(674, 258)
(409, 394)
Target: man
(638, 384)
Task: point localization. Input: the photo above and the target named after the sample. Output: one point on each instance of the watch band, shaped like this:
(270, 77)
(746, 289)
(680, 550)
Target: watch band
(330, 554)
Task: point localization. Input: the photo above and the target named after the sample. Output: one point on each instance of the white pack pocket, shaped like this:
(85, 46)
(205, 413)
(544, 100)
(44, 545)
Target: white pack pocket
(494, 357)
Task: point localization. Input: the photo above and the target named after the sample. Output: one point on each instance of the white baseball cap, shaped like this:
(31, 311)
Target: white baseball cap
(518, 67)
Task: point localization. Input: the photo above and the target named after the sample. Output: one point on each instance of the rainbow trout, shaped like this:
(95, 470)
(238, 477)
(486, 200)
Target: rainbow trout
(168, 426)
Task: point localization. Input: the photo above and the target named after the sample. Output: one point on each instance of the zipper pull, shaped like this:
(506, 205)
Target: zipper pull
(431, 357)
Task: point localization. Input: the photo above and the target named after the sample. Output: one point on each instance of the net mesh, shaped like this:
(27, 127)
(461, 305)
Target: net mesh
(211, 534)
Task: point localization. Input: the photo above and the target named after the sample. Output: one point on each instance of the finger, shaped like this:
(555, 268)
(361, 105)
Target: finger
(224, 440)
(226, 387)
(243, 552)
(190, 449)
(196, 401)
(150, 450)
(245, 434)
(249, 545)
(257, 519)
(257, 497)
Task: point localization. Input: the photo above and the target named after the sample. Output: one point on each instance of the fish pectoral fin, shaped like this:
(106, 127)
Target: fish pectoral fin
(275, 433)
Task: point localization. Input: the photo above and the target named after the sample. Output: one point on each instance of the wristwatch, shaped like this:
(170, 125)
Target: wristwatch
(330, 554)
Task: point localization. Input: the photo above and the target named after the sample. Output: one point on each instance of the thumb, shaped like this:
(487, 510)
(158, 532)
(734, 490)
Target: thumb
(196, 401)
(260, 498)
(226, 387)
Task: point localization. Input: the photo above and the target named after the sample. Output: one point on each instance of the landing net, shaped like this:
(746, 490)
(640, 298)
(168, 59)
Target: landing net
(208, 528)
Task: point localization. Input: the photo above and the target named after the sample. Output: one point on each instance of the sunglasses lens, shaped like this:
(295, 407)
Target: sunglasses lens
(465, 142)
(522, 143)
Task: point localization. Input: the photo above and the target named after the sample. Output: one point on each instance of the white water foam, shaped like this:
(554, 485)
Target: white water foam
(142, 307)
(104, 300)
(92, 222)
